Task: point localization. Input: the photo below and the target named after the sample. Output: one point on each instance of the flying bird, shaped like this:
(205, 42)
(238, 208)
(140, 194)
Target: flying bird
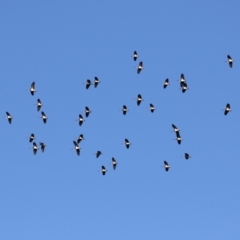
(124, 109)
(87, 111)
(80, 138)
(152, 108)
(166, 83)
(179, 139)
(139, 99)
(127, 143)
(166, 166)
(44, 117)
(39, 104)
(182, 78)
(175, 129)
(31, 138)
(230, 61)
(42, 145)
(80, 120)
(77, 148)
(184, 86)
(187, 156)
(135, 55)
(103, 170)
(9, 117)
(227, 109)
(96, 82)
(114, 163)
(88, 83)
(35, 148)
(98, 153)
(140, 67)
(32, 88)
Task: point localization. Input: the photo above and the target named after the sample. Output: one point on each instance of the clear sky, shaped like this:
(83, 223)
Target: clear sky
(59, 45)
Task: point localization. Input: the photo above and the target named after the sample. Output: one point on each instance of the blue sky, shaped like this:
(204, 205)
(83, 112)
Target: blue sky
(59, 45)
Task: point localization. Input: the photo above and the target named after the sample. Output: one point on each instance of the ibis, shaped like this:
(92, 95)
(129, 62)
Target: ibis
(127, 143)
(87, 111)
(166, 83)
(114, 163)
(187, 156)
(139, 99)
(152, 108)
(140, 67)
(31, 138)
(32, 88)
(88, 84)
(98, 153)
(124, 109)
(103, 170)
(77, 148)
(175, 129)
(44, 117)
(230, 61)
(135, 55)
(166, 165)
(9, 117)
(80, 138)
(39, 104)
(35, 148)
(182, 78)
(227, 109)
(184, 86)
(96, 82)
(179, 139)
(80, 120)
(42, 145)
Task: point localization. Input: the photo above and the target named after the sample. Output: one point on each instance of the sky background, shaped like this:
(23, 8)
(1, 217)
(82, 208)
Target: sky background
(59, 45)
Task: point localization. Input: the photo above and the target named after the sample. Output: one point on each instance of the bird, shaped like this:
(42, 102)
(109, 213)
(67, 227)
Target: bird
(31, 138)
(77, 148)
(42, 145)
(124, 109)
(187, 156)
(135, 55)
(96, 82)
(227, 109)
(184, 86)
(35, 148)
(103, 170)
(9, 117)
(127, 143)
(88, 83)
(44, 117)
(182, 78)
(175, 129)
(166, 165)
(80, 120)
(80, 138)
(32, 88)
(166, 83)
(87, 111)
(140, 67)
(114, 163)
(152, 108)
(139, 99)
(39, 104)
(230, 61)
(98, 153)
(179, 139)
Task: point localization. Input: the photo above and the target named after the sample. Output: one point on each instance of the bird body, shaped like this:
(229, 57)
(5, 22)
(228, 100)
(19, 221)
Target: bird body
(96, 82)
(42, 145)
(9, 117)
(140, 67)
(139, 99)
(44, 117)
(88, 84)
(227, 109)
(166, 83)
(32, 88)
(114, 163)
(35, 148)
(230, 61)
(166, 166)
(80, 120)
(77, 148)
(103, 170)
(135, 55)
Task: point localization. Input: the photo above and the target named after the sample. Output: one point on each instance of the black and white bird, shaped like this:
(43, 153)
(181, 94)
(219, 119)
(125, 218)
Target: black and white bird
(139, 99)
(175, 129)
(127, 143)
(80, 120)
(42, 145)
(124, 109)
(35, 148)
(103, 170)
(39, 104)
(114, 163)
(87, 111)
(187, 156)
(230, 61)
(166, 83)
(77, 148)
(166, 166)
(31, 138)
(227, 109)
(184, 86)
(179, 139)
(98, 153)
(80, 138)
(182, 78)
(9, 117)
(96, 82)
(88, 84)
(32, 88)
(140, 67)
(135, 55)
(152, 108)
(44, 117)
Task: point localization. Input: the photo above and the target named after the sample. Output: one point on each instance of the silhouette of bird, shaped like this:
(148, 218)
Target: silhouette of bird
(77, 148)
(227, 109)
(140, 67)
(87, 111)
(103, 170)
(39, 104)
(124, 109)
(182, 78)
(96, 82)
(35, 148)
(32, 88)
(98, 153)
(127, 143)
(152, 108)
(31, 138)
(230, 61)
(166, 83)
(166, 166)
(139, 99)
(9, 117)
(80, 138)
(42, 145)
(88, 83)
(114, 163)
(44, 117)
(175, 129)
(184, 86)
(187, 156)
(135, 55)
(80, 120)
(179, 139)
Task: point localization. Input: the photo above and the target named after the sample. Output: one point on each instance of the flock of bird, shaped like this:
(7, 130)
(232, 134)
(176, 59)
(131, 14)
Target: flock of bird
(88, 83)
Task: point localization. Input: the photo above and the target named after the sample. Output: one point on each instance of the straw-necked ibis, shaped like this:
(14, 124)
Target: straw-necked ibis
(114, 163)
(124, 109)
(103, 170)
(135, 55)
(139, 99)
(87, 111)
(187, 156)
(39, 104)
(140, 67)
(184, 86)
(179, 139)
(42, 145)
(166, 83)
(80, 138)
(182, 78)
(77, 148)
(32, 88)
(230, 61)
(88, 83)
(127, 143)
(96, 82)
(98, 153)
(44, 117)
(227, 109)
(80, 120)
(9, 117)
(31, 138)
(152, 108)
(166, 165)
(175, 129)
(35, 148)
